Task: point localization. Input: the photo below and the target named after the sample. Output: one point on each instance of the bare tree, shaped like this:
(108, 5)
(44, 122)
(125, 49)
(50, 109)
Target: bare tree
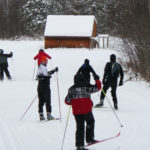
(135, 31)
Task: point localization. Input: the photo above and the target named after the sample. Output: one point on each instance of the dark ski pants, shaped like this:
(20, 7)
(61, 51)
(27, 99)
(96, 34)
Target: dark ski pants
(80, 128)
(44, 95)
(107, 85)
(4, 69)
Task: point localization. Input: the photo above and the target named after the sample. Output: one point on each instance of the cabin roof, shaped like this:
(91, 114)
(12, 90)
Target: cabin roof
(69, 26)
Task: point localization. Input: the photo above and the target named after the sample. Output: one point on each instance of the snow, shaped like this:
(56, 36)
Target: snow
(69, 25)
(30, 133)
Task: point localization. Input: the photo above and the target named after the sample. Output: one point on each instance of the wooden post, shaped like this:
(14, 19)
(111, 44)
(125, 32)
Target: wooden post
(103, 42)
(107, 42)
(98, 42)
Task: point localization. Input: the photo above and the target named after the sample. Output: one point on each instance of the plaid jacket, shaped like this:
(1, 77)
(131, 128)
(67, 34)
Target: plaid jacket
(80, 98)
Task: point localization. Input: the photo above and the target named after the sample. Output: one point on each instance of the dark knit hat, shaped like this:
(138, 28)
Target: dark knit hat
(41, 50)
(79, 79)
(86, 61)
(113, 58)
(1, 51)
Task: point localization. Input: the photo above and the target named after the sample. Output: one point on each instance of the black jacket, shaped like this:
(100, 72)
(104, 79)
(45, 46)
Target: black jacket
(108, 72)
(85, 70)
(3, 58)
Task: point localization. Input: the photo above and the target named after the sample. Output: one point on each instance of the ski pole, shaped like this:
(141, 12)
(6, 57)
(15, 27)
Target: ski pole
(51, 64)
(128, 80)
(13, 66)
(52, 69)
(66, 127)
(28, 108)
(58, 94)
(34, 70)
(112, 109)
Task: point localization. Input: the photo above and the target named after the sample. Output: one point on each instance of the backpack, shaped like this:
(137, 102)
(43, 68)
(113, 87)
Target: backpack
(115, 69)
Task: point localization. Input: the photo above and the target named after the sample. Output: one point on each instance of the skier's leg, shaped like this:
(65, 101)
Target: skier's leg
(48, 104)
(113, 93)
(47, 97)
(41, 104)
(102, 96)
(1, 72)
(90, 127)
(79, 130)
(7, 72)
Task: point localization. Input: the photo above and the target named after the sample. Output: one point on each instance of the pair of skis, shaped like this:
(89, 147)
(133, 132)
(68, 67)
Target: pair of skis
(103, 140)
(50, 119)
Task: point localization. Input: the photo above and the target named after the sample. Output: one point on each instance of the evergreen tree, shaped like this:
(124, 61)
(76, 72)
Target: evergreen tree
(34, 14)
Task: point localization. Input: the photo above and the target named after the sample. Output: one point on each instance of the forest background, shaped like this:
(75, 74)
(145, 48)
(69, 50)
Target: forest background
(126, 19)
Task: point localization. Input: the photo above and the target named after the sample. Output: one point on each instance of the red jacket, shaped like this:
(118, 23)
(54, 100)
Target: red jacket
(80, 98)
(39, 57)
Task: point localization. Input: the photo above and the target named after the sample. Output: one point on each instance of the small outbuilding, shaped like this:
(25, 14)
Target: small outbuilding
(69, 31)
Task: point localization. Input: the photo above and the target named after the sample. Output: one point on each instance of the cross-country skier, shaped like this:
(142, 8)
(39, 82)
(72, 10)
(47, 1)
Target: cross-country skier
(4, 64)
(40, 55)
(86, 69)
(44, 92)
(110, 78)
(79, 96)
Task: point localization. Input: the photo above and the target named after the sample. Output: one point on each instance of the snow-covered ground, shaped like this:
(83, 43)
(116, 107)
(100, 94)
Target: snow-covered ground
(31, 134)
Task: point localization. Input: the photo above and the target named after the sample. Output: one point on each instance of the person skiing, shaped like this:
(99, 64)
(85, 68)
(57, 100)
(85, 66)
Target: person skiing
(40, 55)
(79, 97)
(44, 92)
(4, 64)
(110, 79)
(86, 69)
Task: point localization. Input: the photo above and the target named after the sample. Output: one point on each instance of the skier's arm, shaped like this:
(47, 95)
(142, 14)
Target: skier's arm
(79, 70)
(53, 71)
(105, 73)
(121, 76)
(68, 97)
(36, 57)
(96, 87)
(47, 56)
(8, 55)
(92, 70)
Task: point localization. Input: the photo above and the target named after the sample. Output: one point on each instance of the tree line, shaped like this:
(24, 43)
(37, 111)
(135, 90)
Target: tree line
(128, 19)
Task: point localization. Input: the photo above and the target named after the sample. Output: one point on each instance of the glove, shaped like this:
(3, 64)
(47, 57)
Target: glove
(120, 83)
(103, 81)
(96, 77)
(56, 69)
(11, 53)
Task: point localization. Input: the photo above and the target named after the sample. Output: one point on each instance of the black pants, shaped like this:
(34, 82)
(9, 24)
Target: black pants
(113, 84)
(44, 95)
(4, 69)
(80, 127)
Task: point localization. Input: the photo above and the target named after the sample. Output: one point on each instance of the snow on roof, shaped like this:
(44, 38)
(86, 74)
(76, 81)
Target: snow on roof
(69, 25)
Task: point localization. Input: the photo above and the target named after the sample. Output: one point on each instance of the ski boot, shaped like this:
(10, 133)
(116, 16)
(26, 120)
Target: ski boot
(49, 116)
(116, 106)
(81, 148)
(92, 141)
(100, 104)
(41, 116)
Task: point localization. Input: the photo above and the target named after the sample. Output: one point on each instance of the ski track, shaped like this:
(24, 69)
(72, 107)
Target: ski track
(31, 134)
(9, 139)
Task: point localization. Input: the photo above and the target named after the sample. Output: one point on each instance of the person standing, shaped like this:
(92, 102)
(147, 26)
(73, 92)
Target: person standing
(86, 69)
(4, 64)
(79, 97)
(44, 91)
(40, 55)
(110, 79)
